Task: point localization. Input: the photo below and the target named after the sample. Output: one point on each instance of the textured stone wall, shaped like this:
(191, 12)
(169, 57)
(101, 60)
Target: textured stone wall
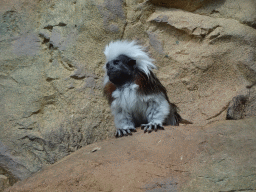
(51, 72)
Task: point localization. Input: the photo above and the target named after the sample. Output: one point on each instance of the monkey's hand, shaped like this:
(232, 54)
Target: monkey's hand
(125, 132)
(151, 126)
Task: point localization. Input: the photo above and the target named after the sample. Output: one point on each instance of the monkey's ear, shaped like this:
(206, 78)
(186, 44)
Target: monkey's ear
(132, 62)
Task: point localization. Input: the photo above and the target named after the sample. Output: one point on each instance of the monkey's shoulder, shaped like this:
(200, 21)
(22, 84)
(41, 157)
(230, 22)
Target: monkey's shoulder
(109, 88)
(149, 84)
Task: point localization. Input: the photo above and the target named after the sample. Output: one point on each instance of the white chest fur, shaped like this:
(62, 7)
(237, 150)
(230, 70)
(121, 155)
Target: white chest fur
(126, 98)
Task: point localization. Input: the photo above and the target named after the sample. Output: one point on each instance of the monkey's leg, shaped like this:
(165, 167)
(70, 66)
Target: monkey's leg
(156, 113)
(124, 124)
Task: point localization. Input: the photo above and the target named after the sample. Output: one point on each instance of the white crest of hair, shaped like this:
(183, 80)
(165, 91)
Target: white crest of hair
(133, 50)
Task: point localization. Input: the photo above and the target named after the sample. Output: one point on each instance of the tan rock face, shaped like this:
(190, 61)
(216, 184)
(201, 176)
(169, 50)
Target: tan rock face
(217, 157)
(209, 60)
(4, 182)
(51, 72)
(51, 97)
(243, 11)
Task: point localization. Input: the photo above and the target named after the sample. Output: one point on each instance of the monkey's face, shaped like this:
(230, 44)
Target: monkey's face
(121, 70)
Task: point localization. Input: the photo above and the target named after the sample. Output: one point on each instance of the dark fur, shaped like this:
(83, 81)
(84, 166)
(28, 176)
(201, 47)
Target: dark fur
(135, 94)
(147, 86)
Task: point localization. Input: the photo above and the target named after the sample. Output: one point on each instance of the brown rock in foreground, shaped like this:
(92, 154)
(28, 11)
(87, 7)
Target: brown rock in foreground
(218, 157)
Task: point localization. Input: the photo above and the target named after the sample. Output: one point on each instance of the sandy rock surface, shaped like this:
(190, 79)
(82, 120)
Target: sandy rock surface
(218, 157)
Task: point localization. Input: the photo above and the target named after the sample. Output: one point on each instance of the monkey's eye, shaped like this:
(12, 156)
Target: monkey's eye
(107, 65)
(132, 62)
(116, 62)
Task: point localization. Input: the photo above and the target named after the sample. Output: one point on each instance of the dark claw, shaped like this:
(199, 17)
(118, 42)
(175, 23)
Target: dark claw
(124, 132)
(150, 127)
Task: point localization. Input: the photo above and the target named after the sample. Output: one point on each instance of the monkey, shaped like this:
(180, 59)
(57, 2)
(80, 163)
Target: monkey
(136, 96)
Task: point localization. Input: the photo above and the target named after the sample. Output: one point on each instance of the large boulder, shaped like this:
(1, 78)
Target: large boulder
(217, 157)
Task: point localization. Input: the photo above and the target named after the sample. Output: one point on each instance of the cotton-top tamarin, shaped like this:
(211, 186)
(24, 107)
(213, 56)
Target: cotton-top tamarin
(136, 96)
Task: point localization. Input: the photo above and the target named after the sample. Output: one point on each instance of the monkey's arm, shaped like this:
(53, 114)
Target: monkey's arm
(123, 122)
(157, 111)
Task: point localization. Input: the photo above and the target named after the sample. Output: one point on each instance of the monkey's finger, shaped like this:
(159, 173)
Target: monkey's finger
(145, 128)
(118, 133)
(128, 132)
(150, 128)
(124, 132)
(155, 127)
(133, 130)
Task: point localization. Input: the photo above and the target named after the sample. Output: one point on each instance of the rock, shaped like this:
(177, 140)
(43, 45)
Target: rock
(4, 182)
(227, 160)
(243, 11)
(12, 167)
(51, 98)
(201, 65)
(26, 44)
(237, 107)
(51, 69)
(217, 157)
(188, 5)
(242, 106)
